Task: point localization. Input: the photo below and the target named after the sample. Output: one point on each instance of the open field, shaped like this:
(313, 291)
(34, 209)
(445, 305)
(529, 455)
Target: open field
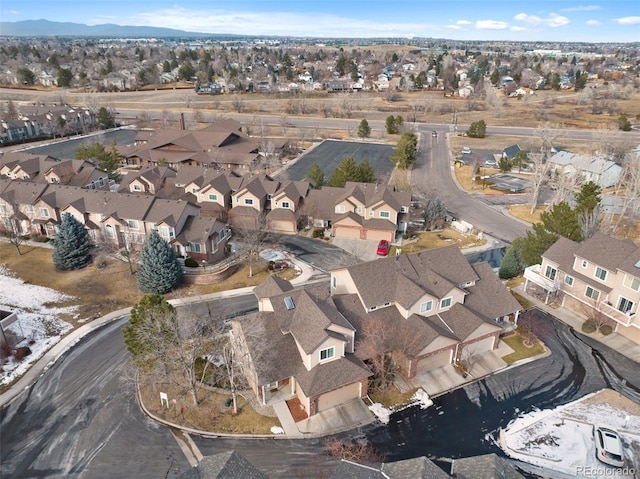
(556, 107)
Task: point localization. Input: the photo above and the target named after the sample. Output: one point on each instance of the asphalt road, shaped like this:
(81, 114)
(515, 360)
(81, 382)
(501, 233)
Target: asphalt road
(81, 420)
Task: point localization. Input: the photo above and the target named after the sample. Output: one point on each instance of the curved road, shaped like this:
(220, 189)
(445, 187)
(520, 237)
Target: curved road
(81, 419)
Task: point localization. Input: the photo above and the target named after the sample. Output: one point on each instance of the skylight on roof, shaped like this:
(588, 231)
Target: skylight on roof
(288, 301)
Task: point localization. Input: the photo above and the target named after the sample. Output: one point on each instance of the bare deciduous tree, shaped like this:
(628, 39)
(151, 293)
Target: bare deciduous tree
(253, 238)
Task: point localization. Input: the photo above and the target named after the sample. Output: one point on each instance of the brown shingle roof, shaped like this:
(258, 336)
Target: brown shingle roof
(488, 297)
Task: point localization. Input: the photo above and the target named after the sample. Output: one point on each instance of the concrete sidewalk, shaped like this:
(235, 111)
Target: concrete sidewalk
(615, 341)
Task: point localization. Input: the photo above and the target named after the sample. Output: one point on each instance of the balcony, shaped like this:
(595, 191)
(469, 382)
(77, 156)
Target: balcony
(612, 312)
(533, 274)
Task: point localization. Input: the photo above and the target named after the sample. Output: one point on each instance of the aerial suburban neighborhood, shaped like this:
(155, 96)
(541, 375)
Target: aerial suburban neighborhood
(239, 255)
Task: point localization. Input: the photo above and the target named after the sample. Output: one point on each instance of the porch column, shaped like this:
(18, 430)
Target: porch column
(515, 320)
(264, 396)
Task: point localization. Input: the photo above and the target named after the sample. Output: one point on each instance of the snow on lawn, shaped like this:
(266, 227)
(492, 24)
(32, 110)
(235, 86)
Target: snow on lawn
(38, 325)
(561, 439)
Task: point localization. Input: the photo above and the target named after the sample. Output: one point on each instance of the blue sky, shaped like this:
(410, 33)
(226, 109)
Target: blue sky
(552, 20)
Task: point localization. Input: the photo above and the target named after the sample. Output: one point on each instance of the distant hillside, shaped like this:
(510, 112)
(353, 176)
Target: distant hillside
(45, 28)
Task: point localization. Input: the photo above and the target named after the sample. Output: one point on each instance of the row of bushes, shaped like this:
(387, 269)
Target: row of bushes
(590, 326)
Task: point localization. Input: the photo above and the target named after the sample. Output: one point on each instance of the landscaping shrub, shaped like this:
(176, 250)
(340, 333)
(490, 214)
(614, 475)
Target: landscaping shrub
(606, 329)
(271, 266)
(190, 263)
(318, 233)
(22, 353)
(6, 350)
(589, 326)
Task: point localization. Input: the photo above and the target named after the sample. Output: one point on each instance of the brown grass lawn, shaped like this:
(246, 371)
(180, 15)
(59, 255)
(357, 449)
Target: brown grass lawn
(437, 239)
(392, 396)
(523, 212)
(210, 415)
(521, 350)
(97, 291)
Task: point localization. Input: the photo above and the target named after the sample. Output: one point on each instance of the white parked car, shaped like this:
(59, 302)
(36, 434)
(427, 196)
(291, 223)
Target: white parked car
(608, 446)
(466, 150)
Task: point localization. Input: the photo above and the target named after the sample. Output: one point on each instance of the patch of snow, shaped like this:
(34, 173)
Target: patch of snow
(277, 430)
(421, 397)
(561, 439)
(380, 412)
(38, 321)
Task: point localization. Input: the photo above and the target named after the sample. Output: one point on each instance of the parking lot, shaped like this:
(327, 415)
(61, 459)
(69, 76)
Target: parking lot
(330, 153)
(509, 183)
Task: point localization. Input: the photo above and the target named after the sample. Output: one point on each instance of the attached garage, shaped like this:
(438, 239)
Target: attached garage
(282, 225)
(629, 332)
(338, 396)
(479, 347)
(377, 235)
(435, 361)
(346, 232)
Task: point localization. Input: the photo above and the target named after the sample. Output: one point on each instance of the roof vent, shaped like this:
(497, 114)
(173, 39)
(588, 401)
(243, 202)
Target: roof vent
(288, 301)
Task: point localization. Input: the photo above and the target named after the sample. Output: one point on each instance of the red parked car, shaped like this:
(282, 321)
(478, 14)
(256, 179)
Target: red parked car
(383, 248)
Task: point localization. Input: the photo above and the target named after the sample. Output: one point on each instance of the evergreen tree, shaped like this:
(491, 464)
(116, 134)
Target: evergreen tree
(364, 130)
(316, 176)
(159, 270)
(406, 151)
(71, 245)
(366, 172)
(108, 160)
(477, 129)
(588, 198)
(509, 265)
(105, 119)
(495, 76)
(561, 220)
(346, 171)
(150, 308)
(393, 124)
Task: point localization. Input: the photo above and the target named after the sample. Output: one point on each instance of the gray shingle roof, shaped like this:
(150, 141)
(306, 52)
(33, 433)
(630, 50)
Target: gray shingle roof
(489, 466)
(488, 297)
(225, 465)
(434, 271)
(610, 253)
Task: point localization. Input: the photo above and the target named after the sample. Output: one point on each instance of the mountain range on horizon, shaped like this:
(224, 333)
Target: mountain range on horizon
(47, 28)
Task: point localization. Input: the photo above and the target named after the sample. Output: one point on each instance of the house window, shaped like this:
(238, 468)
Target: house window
(213, 197)
(108, 231)
(248, 201)
(53, 179)
(133, 224)
(92, 185)
(568, 280)
(327, 353)
(288, 302)
(584, 263)
(334, 282)
(285, 204)
(371, 212)
(625, 305)
(403, 209)
(44, 212)
(550, 272)
(194, 247)
(426, 307)
(101, 181)
(167, 232)
(136, 187)
(445, 303)
(632, 282)
(592, 293)
(385, 214)
(340, 208)
(359, 209)
(28, 209)
(601, 274)
(194, 190)
(3, 209)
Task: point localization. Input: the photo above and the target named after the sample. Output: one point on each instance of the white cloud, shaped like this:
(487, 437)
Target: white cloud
(593, 22)
(279, 23)
(455, 27)
(491, 25)
(464, 22)
(516, 28)
(553, 20)
(628, 20)
(582, 8)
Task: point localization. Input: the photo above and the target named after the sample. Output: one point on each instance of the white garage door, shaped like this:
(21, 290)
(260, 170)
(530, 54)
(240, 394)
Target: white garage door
(630, 333)
(346, 232)
(481, 346)
(339, 396)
